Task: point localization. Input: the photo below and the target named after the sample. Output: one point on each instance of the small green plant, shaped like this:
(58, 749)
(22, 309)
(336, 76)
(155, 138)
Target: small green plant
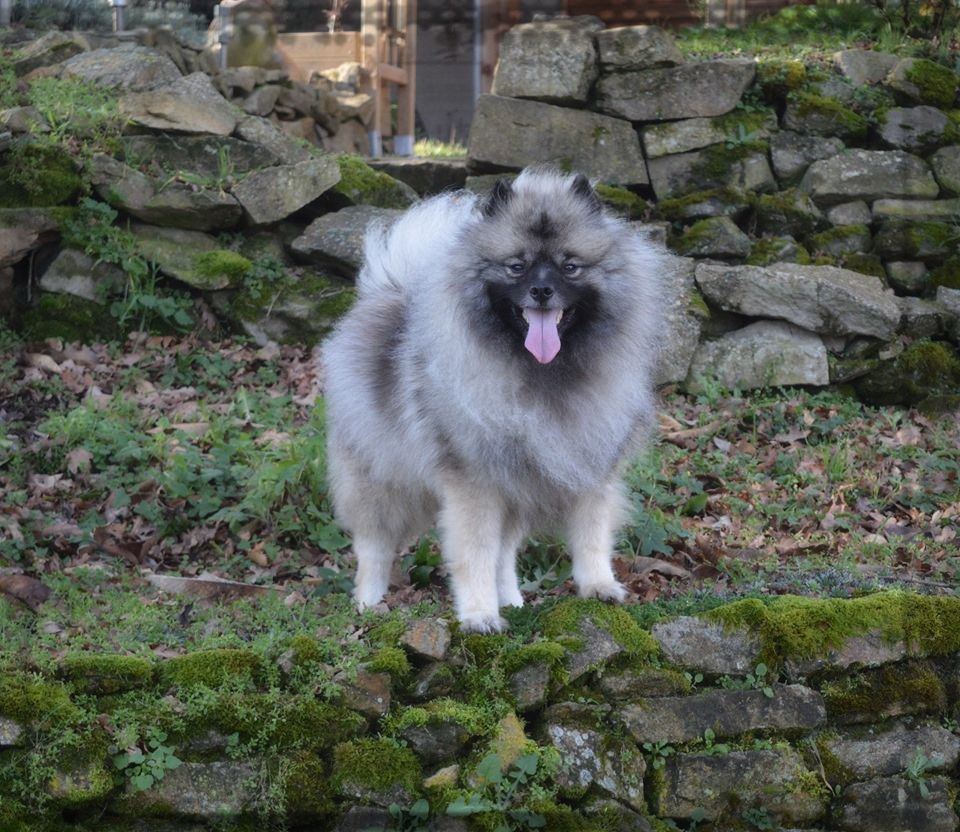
(693, 678)
(758, 818)
(140, 302)
(147, 764)
(916, 771)
(710, 746)
(499, 793)
(412, 819)
(422, 563)
(760, 679)
(741, 136)
(659, 752)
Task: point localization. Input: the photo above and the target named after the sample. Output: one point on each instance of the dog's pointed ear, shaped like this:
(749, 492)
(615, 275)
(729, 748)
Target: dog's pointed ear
(581, 187)
(499, 196)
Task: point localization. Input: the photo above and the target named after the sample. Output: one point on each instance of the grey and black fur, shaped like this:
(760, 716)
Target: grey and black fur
(444, 405)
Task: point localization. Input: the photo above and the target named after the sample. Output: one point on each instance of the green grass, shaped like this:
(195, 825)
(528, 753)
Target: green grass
(434, 149)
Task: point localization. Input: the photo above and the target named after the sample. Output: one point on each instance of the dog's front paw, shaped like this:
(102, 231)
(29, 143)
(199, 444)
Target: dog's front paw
(607, 591)
(480, 622)
(364, 600)
(510, 597)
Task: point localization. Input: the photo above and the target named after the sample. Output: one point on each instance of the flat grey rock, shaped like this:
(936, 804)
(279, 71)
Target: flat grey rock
(822, 299)
(514, 133)
(704, 88)
(762, 354)
(705, 646)
(728, 713)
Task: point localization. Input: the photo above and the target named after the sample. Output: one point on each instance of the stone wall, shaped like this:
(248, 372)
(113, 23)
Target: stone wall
(815, 206)
(812, 208)
(796, 714)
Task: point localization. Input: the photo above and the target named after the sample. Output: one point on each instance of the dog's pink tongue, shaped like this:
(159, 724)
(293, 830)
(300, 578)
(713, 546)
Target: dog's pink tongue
(543, 340)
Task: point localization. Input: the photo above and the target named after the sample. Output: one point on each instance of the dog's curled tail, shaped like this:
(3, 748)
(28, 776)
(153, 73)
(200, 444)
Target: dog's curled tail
(397, 255)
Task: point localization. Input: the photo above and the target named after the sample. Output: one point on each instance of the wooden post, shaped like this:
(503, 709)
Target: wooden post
(407, 92)
(370, 20)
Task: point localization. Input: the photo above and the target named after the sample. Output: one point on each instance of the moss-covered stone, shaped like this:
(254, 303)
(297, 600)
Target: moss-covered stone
(805, 628)
(769, 250)
(562, 623)
(825, 116)
(622, 202)
(787, 212)
(717, 160)
(213, 669)
(306, 782)
(360, 184)
(80, 786)
(70, 318)
(946, 274)
(99, 675)
(32, 702)
(219, 269)
(936, 84)
(711, 202)
(392, 660)
(474, 719)
(865, 264)
(841, 240)
(891, 690)
(549, 653)
(925, 369)
(377, 770)
(904, 240)
(779, 78)
(38, 175)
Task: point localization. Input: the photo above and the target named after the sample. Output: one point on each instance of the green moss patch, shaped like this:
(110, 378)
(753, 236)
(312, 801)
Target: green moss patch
(32, 702)
(219, 269)
(946, 274)
(392, 660)
(729, 201)
(936, 85)
(474, 719)
(69, 318)
(806, 628)
(106, 674)
(871, 694)
(376, 765)
(360, 184)
(924, 370)
(829, 113)
(563, 621)
(621, 201)
(212, 669)
(38, 175)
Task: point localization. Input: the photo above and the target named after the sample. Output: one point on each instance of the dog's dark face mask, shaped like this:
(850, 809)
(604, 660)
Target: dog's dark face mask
(543, 293)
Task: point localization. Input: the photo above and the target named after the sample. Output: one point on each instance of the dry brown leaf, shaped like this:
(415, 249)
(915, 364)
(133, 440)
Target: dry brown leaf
(28, 591)
(258, 556)
(41, 361)
(207, 587)
(78, 460)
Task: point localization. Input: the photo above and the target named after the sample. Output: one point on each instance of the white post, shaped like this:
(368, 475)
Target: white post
(6, 7)
(119, 9)
(222, 14)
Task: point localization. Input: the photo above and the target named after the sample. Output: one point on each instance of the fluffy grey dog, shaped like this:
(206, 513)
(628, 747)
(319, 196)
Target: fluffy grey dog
(494, 374)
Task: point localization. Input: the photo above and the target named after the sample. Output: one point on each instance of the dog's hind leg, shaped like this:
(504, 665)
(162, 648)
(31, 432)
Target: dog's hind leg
(590, 535)
(375, 558)
(471, 524)
(508, 585)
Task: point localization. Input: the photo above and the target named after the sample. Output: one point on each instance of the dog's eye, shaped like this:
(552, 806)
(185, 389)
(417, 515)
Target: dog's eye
(516, 268)
(570, 269)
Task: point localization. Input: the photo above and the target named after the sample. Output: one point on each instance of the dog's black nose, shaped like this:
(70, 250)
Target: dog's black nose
(541, 293)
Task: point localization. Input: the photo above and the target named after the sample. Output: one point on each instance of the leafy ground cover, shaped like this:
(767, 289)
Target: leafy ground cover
(125, 465)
